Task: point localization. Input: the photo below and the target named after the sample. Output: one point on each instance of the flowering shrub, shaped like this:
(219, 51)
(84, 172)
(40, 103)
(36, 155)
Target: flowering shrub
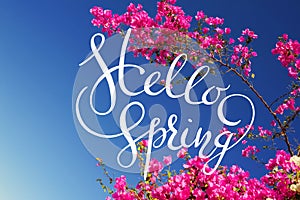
(282, 182)
(232, 55)
(210, 35)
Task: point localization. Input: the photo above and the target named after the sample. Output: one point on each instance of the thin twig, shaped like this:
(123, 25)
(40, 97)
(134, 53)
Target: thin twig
(280, 97)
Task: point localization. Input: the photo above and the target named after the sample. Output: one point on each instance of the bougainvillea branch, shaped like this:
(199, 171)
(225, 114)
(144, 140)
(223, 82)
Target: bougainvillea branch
(260, 97)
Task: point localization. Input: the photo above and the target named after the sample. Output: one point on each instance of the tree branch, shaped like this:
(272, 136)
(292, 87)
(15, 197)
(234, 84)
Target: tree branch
(282, 127)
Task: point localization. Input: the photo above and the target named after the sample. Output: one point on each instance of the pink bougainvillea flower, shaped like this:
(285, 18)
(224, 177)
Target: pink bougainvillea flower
(250, 150)
(171, 1)
(254, 54)
(293, 73)
(155, 166)
(297, 64)
(227, 30)
(182, 152)
(167, 160)
(144, 143)
(231, 41)
(247, 71)
(273, 123)
(241, 39)
(280, 109)
(200, 15)
(241, 131)
(250, 128)
(291, 104)
(205, 30)
(214, 21)
(219, 31)
(120, 183)
(285, 36)
(295, 92)
(251, 34)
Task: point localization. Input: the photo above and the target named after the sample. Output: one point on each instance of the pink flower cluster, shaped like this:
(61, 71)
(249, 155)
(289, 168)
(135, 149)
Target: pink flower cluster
(172, 17)
(242, 53)
(289, 104)
(265, 132)
(168, 17)
(210, 35)
(283, 173)
(288, 51)
(155, 167)
(167, 160)
(295, 92)
(249, 151)
(135, 17)
(182, 153)
(121, 187)
(240, 131)
(225, 183)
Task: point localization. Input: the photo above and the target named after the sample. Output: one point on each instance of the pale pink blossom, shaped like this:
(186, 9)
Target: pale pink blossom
(167, 160)
(182, 152)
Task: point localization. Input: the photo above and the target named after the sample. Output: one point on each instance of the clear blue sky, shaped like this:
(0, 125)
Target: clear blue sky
(41, 44)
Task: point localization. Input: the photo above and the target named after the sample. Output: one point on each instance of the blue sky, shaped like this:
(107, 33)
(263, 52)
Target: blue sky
(41, 45)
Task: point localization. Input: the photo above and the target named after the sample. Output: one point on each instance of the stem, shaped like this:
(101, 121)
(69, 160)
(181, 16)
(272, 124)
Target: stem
(292, 118)
(276, 100)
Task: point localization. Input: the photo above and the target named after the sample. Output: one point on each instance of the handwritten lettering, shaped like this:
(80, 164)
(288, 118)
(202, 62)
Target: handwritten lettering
(164, 135)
